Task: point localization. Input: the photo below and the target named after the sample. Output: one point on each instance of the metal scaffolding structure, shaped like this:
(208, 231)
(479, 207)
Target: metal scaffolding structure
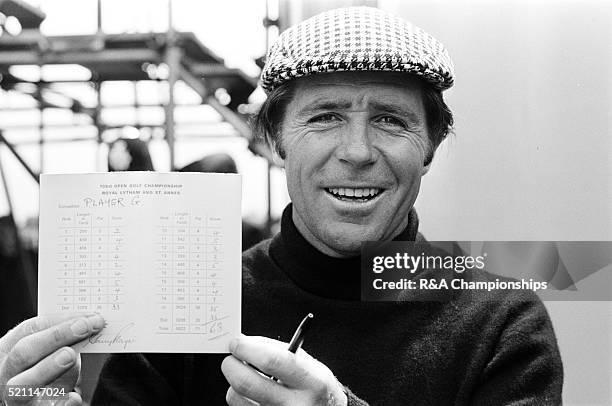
(131, 57)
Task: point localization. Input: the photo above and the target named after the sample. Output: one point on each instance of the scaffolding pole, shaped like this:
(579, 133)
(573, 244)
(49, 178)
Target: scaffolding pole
(19, 158)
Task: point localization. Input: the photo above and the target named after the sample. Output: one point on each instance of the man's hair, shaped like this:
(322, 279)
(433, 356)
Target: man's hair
(268, 121)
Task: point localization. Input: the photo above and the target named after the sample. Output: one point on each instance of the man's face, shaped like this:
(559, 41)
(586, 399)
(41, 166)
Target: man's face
(355, 144)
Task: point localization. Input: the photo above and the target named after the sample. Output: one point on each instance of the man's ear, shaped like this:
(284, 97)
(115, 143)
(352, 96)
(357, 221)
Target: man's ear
(427, 162)
(425, 168)
(275, 153)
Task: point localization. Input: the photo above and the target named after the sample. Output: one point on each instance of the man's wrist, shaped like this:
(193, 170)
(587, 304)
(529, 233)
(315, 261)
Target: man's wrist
(344, 400)
(352, 399)
(339, 396)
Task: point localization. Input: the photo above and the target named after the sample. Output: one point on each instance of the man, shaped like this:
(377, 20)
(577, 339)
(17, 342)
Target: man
(355, 111)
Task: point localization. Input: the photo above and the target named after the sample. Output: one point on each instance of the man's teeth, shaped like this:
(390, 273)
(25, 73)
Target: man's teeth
(359, 192)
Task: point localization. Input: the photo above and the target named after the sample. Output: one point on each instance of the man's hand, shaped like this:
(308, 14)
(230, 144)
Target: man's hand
(302, 379)
(36, 353)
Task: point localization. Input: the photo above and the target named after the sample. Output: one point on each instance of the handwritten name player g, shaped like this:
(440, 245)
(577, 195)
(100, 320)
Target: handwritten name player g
(135, 201)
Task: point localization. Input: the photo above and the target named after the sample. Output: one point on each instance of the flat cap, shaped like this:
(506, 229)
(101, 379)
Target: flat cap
(356, 39)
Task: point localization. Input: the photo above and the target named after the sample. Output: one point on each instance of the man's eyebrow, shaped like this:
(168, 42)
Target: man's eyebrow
(326, 105)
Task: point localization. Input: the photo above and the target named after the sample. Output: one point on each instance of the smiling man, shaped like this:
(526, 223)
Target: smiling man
(355, 111)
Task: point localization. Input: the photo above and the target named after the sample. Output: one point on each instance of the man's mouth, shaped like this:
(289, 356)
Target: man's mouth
(346, 194)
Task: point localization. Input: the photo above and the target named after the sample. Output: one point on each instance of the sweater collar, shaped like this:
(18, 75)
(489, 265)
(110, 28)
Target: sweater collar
(317, 273)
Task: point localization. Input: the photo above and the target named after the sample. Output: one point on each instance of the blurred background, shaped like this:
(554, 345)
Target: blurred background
(97, 85)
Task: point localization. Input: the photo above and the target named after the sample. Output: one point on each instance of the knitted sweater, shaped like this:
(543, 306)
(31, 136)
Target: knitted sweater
(494, 348)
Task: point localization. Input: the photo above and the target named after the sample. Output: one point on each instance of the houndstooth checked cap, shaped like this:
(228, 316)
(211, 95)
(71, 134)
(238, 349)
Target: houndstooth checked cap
(356, 39)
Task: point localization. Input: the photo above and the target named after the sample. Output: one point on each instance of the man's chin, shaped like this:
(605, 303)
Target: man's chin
(347, 241)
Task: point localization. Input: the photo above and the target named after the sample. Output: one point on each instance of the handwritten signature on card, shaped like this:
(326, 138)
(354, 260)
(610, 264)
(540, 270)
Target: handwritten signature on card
(121, 337)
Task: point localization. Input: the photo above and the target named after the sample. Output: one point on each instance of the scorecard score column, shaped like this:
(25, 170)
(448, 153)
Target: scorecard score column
(214, 269)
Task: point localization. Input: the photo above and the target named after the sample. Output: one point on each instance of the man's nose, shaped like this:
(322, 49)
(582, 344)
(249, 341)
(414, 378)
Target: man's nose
(356, 145)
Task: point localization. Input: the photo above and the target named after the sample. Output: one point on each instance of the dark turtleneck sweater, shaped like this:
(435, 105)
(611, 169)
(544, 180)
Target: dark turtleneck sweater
(495, 348)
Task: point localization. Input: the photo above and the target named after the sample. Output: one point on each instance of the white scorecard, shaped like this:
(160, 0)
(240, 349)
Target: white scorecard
(157, 254)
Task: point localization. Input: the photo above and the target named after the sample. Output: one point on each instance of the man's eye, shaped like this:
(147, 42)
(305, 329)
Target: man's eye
(324, 118)
(390, 120)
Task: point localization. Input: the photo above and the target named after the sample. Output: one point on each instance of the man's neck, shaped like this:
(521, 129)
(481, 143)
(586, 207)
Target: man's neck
(330, 251)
